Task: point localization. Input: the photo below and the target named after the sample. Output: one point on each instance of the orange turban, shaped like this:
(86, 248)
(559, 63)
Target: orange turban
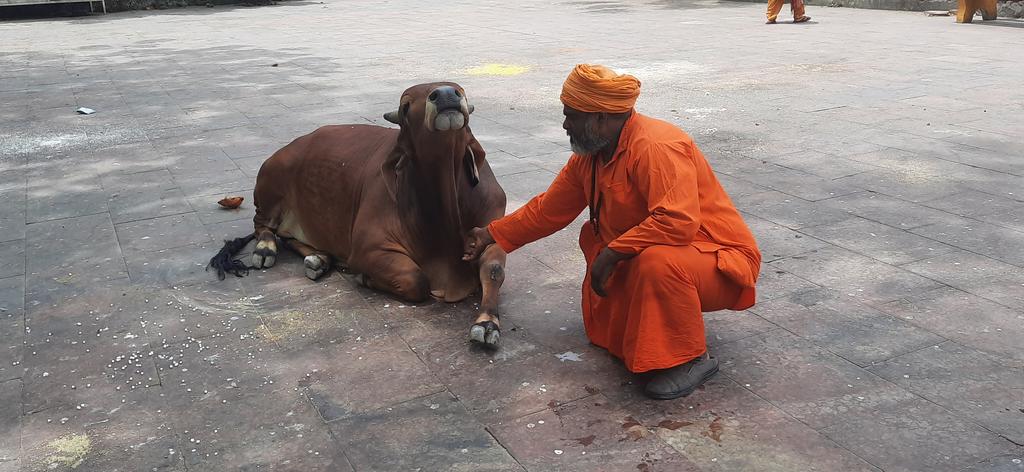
(592, 88)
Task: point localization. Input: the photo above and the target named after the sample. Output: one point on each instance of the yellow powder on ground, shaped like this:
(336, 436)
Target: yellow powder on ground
(498, 69)
(69, 451)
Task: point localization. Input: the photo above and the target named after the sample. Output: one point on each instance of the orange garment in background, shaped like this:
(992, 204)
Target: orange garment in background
(661, 201)
(775, 6)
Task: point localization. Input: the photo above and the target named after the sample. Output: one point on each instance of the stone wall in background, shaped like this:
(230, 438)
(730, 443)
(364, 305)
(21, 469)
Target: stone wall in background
(1012, 9)
(121, 5)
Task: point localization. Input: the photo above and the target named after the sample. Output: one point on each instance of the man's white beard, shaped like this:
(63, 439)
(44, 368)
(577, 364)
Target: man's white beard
(579, 149)
(590, 145)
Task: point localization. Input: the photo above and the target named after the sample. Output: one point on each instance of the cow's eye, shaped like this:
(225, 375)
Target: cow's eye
(405, 109)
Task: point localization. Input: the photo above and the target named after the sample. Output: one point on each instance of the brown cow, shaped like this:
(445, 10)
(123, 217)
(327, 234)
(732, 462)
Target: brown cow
(391, 205)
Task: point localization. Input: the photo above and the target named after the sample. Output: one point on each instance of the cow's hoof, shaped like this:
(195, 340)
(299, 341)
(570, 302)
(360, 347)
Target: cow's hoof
(263, 259)
(315, 266)
(265, 254)
(485, 332)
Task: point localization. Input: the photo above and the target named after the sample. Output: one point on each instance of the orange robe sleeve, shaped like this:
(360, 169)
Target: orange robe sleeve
(667, 178)
(546, 213)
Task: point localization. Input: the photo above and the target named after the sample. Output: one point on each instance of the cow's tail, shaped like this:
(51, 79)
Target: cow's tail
(225, 263)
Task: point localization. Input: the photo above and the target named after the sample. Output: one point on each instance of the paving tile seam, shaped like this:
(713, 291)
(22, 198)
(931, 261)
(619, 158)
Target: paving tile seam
(786, 413)
(804, 235)
(20, 376)
(998, 360)
(11, 240)
(950, 142)
(120, 250)
(148, 218)
(908, 271)
(447, 386)
(762, 159)
(335, 439)
(157, 369)
(386, 407)
(963, 123)
(12, 379)
(249, 156)
(92, 229)
(526, 156)
(971, 468)
(816, 285)
(841, 356)
(949, 411)
(557, 271)
(775, 327)
(915, 351)
(149, 251)
(998, 223)
(909, 228)
(967, 291)
(13, 275)
(965, 417)
(868, 255)
(986, 214)
(30, 223)
(832, 179)
(512, 174)
(493, 436)
(546, 408)
(1020, 265)
(968, 164)
(768, 298)
(819, 201)
(869, 372)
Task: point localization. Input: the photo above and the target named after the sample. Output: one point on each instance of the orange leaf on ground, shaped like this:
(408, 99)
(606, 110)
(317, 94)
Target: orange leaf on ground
(231, 202)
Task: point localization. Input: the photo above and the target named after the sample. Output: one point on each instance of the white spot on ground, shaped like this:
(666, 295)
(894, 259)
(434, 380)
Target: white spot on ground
(569, 356)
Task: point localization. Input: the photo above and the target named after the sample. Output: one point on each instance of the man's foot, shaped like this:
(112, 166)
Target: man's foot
(770, 22)
(802, 19)
(682, 380)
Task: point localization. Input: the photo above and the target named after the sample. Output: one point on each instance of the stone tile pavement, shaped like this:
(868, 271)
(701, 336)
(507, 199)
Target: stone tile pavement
(877, 155)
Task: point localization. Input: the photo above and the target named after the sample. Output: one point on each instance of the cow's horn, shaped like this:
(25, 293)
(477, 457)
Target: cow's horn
(392, 116)
(470, 107)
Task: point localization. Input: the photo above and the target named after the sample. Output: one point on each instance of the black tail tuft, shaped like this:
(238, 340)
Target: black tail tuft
(225, 261)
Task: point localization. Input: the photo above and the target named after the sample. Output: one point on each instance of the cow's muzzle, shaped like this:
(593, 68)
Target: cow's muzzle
(447, 109)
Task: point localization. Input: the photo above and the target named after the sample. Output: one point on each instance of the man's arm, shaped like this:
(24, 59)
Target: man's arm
(666, 176)
(543, 215)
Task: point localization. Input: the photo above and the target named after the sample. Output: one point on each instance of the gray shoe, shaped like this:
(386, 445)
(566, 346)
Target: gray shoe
(682, 380)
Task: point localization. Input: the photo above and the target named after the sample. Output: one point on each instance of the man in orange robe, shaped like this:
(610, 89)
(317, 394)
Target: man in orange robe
(664, 241)
(775, 6)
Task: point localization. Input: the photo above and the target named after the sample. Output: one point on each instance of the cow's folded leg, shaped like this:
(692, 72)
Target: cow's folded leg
(487, 326)
(265, 254)
(396, 274)
(317, 262)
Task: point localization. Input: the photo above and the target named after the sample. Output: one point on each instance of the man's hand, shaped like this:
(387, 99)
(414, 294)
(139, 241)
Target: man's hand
(476, 241)
(603, 267)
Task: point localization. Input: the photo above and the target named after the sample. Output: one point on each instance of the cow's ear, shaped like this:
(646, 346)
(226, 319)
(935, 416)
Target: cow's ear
(389, 169)
(474, 156)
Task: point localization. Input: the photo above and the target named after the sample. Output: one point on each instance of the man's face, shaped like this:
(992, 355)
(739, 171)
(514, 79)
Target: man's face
(584, 131)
